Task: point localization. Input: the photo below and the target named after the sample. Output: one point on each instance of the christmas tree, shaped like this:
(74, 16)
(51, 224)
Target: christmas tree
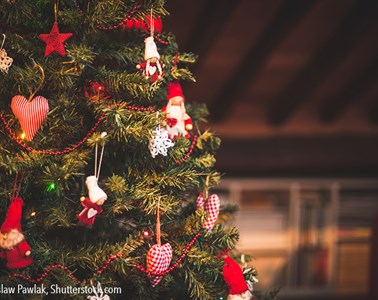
(106, 169)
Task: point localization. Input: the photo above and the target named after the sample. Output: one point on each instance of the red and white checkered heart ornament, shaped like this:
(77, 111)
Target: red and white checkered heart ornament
(158, 260)
(30, 114)
(212, 207)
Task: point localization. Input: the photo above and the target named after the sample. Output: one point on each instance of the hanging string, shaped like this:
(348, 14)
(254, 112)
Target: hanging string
(16, 190)
(101, 156)
(158, 241)
(56, 11)
(95, 165)
(2, 44)
(152, 26)
(206, 191)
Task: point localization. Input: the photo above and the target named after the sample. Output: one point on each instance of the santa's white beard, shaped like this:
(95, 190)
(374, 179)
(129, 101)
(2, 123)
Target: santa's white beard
(176, 112)
(13, 238)
(243, 296)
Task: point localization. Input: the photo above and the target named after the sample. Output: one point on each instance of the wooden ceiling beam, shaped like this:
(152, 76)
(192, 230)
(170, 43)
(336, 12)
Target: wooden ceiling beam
(324, 60)
(300, 156)
(209, 25)
(284, 21)
(333, 107)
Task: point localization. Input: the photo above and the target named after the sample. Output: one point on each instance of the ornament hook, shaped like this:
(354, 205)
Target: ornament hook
(41, 83)
(2, 44)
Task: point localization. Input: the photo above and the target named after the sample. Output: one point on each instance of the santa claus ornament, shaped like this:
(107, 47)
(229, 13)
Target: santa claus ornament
(178, 122)
(233, 275)
(13, 246)
(96, 196)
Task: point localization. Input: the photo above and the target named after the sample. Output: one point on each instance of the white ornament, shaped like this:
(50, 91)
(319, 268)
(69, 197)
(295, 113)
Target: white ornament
(5, 61)
(160, 142)
(99, 293)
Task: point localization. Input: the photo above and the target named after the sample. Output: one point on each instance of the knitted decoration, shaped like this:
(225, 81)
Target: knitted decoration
(30, 114)
(212, 207)
(5, 61)
(158, 260)
(54, 40)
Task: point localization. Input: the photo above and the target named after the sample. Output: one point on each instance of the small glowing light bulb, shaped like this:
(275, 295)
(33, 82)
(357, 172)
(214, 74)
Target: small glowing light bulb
(146, 233)
(33, 214)
(51, 187)
(22, 136)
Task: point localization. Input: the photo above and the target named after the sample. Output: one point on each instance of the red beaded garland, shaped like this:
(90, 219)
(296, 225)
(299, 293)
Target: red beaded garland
(190, 151)
(47, 271)
(74, 147)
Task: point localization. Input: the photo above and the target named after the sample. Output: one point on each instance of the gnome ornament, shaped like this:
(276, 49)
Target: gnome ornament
(13, 246)
(92, 204)
(233, 275)
(96, 196)
(151, 67)
(177, 120)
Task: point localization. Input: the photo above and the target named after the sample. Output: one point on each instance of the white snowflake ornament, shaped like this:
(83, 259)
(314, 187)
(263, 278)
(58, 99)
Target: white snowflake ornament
(5, 60)
(160, 142)
(99, 293)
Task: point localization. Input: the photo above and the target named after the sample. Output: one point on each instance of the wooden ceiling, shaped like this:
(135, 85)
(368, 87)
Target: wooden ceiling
(291, 85)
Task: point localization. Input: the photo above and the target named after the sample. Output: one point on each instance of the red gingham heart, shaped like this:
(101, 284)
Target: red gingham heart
(30, 114)
(158, 260)
(212, 207)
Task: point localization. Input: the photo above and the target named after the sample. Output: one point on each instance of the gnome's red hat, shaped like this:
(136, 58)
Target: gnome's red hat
(13, 218)
(174, 89)
(233, 276)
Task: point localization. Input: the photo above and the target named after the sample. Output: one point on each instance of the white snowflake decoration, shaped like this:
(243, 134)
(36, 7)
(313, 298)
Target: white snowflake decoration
(5, 61)
(160, 142)
(99, 293)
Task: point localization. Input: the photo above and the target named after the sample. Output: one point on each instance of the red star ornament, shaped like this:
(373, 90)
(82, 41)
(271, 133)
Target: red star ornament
(54, 40)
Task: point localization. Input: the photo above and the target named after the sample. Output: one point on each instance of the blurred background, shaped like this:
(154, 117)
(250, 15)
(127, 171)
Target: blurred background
(292, 90)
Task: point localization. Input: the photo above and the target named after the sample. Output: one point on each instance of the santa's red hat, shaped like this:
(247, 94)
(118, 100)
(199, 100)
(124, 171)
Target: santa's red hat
(174, 89)
(233, 276)
(13, 218)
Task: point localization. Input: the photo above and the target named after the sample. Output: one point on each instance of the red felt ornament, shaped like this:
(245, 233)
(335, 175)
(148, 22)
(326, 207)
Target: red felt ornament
(13, 246)
(54, 40)
(233, 275)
